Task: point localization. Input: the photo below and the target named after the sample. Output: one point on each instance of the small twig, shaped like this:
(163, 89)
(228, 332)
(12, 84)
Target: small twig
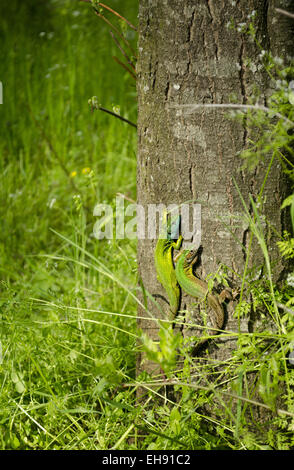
(125, 67)
(233, 105)
(284, 12)
(117, 14)
(116, 30)
(114, 12)
(95, 105)
(122, 51)
(126, 197)
(118, 116)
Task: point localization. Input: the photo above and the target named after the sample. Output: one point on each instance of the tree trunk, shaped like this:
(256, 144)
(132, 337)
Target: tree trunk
(189, 55)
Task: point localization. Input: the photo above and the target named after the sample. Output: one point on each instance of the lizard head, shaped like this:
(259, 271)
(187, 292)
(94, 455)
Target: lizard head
(191, 257)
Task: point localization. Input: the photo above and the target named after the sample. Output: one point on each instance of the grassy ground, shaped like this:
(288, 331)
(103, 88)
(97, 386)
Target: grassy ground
(57, 161)
(68, 333)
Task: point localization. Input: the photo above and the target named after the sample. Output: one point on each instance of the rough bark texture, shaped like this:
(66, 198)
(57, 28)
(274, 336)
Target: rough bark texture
(187, 54)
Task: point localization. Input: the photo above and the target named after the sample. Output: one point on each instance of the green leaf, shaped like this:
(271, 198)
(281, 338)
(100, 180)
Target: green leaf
(15, 442)
(17, 380)
(291, 97)
(210, 284)
(175, 420)
(289, 201)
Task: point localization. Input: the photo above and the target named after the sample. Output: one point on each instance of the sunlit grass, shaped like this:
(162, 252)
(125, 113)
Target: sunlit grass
(68, 302)
(58, 160)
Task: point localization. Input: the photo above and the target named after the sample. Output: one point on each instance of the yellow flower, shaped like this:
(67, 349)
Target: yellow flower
(73, 174)
(86, 170)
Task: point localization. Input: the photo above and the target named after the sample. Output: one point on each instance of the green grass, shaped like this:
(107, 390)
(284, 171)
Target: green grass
(58, 355)
(68, 301)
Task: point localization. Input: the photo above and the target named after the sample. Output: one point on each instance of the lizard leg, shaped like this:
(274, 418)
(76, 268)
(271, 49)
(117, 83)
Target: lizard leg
(178, 255)
(225, 294)
(177, 245)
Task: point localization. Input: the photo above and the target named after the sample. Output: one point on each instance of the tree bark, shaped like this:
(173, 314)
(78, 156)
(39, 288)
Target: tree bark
(188, 54)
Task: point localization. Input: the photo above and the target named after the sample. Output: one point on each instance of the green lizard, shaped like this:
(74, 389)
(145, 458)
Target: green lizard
(199, 289)
(163, 258)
